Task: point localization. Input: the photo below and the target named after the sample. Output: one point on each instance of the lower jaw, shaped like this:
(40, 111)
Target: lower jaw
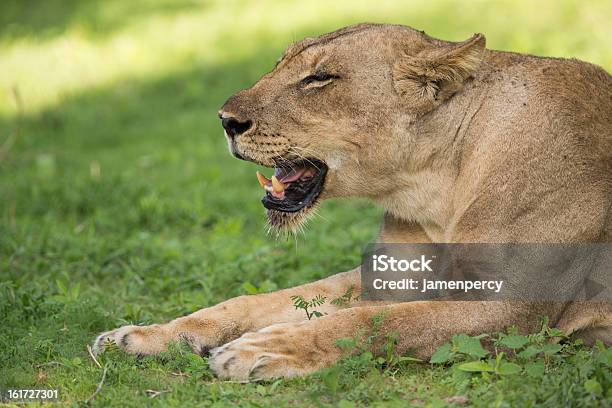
(288, 222)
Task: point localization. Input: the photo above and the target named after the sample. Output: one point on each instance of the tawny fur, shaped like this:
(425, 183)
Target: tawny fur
(458, 143)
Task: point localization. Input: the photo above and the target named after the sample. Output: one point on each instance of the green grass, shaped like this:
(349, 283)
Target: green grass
(120, 204)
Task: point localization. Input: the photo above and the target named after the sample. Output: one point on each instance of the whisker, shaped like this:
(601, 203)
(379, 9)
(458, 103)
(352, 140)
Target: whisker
(293, 148)
(305, 149)
(316, 213)
(288, 163)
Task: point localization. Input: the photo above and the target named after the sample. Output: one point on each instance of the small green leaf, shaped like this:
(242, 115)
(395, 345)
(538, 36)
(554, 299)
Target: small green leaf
(506, 368)
(604, 357)
(442, 355)
(61, 287)
(544, 322)
(476, 366)
(461, 377)
(267, 286)
(409, 360)
(529, 352)
(250, 288)
(318, 300)
(346, 343)
(469, 345)
(514, 342)
(535, 369)
(554, 332)
(275, 385)
(551, 348)
(593, 386)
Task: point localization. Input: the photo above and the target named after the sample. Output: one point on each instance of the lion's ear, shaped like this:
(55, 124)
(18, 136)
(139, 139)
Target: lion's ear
(433, 75)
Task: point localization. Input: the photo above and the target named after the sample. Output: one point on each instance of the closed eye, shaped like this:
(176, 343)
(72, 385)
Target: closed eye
(317, 79)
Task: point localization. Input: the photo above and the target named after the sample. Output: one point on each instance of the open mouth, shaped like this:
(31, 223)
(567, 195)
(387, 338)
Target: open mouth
(294, 186)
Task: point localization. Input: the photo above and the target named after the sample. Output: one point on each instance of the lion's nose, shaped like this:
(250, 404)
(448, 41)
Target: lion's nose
(233, 127)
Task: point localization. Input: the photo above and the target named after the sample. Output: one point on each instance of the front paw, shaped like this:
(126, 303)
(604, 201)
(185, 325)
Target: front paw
(141, 340)
(282, 350)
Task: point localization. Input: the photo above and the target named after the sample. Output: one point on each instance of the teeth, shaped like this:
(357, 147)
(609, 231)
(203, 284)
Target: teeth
(263, 180)
(277, 186)
(309, 173)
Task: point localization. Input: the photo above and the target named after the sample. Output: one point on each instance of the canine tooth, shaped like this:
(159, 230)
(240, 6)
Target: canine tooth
(263, 180)
(277, 186)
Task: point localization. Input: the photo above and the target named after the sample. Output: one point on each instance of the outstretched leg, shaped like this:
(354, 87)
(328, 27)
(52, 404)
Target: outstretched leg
(214, 326)
(293, 349)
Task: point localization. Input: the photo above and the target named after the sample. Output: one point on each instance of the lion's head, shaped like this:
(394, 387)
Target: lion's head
(333, 116)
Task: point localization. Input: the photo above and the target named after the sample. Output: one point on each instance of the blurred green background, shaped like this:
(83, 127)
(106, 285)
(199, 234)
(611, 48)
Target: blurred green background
(118, 200)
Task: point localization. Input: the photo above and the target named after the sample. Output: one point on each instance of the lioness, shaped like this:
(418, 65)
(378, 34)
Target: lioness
(458, 143)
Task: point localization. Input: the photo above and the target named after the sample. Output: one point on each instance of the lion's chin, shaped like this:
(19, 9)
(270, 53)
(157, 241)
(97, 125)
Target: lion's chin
(290, 222)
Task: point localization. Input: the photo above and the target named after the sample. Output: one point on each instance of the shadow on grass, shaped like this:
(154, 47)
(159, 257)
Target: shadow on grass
(48, 18)
(129, 128)
(176, 105)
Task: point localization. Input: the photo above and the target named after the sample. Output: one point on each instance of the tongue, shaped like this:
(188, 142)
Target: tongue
(287, 175)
